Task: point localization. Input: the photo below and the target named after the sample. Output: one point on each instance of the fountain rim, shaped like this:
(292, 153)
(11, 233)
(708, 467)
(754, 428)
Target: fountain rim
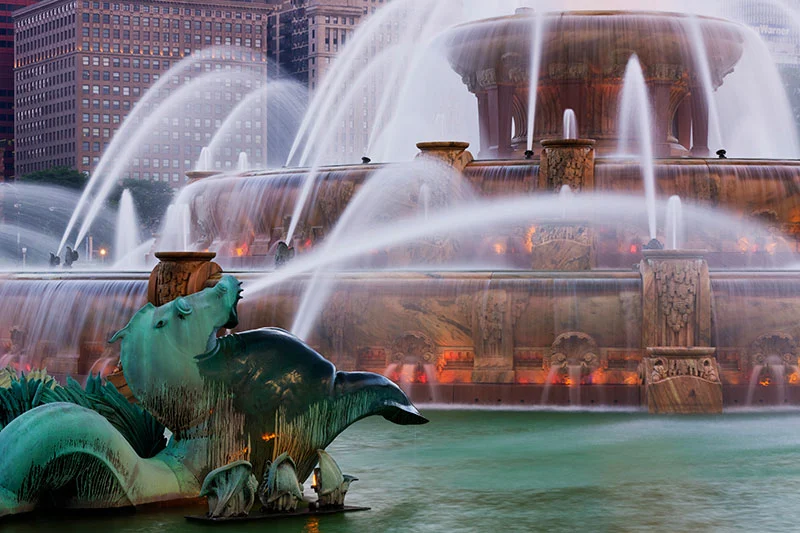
(409, 275)
(603, 160)
(597, 13)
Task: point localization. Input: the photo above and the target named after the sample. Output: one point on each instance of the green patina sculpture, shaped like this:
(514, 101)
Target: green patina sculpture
(231, 490)
(246, 397)
(330, 484)
(280, 490)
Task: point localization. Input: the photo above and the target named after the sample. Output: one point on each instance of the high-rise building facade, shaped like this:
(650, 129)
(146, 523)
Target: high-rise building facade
(7, 83)
(83, 66)
(777, 24)
(306, 36)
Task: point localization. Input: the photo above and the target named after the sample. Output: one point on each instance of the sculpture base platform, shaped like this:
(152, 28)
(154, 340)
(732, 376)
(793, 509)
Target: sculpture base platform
(682, 380)
(253, 517)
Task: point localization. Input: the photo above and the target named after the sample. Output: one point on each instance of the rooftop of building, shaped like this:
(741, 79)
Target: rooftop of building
(264, 5)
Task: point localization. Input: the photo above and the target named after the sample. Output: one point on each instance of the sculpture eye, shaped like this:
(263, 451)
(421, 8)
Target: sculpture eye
(183, 308)
(160, 324)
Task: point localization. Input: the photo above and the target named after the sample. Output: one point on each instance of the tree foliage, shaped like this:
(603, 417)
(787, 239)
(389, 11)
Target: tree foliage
(60, 176)
(151, 199)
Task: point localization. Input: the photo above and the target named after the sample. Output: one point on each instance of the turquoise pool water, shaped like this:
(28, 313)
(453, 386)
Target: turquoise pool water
(500, 471)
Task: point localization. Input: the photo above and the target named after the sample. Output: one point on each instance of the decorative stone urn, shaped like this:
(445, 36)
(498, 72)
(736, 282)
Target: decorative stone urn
(180, 274)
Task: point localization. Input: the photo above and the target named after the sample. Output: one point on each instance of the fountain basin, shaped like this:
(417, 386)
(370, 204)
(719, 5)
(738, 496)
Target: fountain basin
(583, 61)
(476, 337)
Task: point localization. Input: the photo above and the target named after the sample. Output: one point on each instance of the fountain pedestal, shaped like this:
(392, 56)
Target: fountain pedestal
(567, 246)
(681, 373)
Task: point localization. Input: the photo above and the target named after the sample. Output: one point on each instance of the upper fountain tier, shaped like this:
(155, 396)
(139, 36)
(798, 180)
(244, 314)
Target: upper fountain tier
(583, 61)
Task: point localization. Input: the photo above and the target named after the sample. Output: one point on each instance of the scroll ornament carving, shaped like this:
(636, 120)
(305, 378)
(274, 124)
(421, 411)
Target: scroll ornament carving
(704, 368)
(562, 232)
(173, 279)
(773, 347)
(515, 69)
(568, 71)
(677, 290)
(413, 345)
(574, 349)
(486, 79)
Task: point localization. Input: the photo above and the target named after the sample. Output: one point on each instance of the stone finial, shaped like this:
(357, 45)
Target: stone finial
(451, 153)
(567, 162)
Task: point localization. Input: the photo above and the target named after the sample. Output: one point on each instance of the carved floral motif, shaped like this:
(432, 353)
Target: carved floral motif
(774, 348)
(676, 284)
(413, 346)
(571, 165)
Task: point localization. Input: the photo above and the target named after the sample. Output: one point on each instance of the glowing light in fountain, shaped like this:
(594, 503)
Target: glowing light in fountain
(772, 372)
(636, 118)
(570, 124)
(127, 235)
(674, 223)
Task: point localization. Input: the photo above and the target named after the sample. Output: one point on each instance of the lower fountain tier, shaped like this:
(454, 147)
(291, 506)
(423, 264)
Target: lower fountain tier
(453, 336)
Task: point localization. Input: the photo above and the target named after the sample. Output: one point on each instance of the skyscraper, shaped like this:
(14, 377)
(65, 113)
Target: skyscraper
(82, 67)
(7, 83)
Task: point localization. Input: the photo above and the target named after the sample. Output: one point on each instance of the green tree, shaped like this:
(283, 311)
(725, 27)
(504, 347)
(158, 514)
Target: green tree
(151, 199)
(59, 176)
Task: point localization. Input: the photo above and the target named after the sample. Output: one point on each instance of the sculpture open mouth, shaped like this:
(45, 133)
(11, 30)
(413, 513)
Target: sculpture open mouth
(233, 319)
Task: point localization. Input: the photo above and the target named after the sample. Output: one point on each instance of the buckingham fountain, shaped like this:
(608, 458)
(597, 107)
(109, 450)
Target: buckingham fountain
(590, 250)
(532, 277)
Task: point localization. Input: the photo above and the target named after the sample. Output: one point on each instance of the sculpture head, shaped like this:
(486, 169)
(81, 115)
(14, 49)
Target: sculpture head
(159, 346)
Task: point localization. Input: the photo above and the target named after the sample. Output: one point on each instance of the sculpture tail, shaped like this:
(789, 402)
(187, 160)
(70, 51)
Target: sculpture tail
(382, 397)
(67, 456)
(356, 395)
